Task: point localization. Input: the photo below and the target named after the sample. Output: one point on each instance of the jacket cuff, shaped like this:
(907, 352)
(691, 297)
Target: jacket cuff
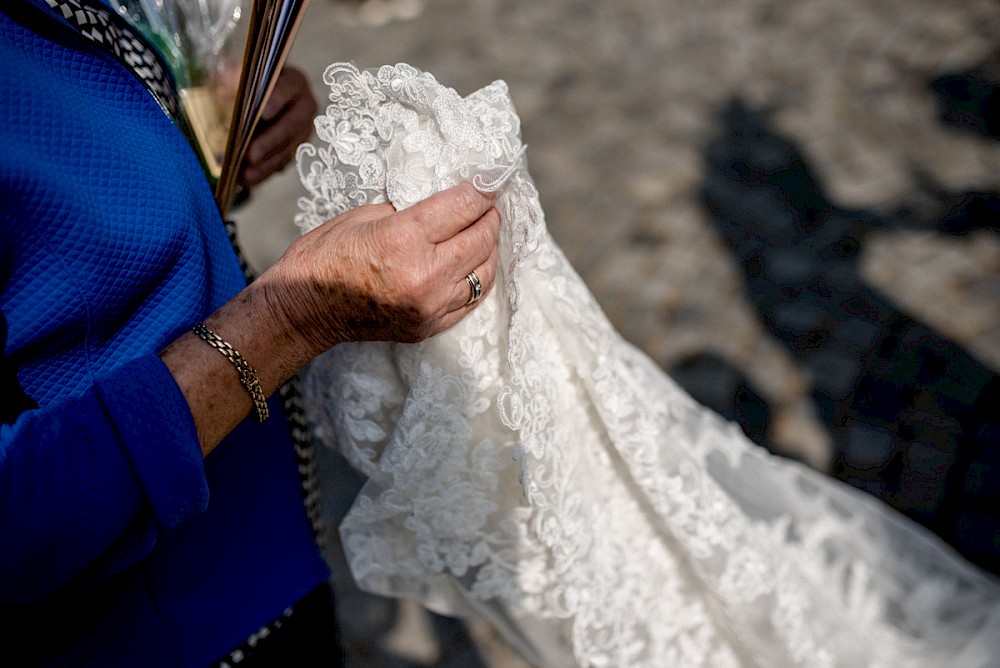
(157, 430)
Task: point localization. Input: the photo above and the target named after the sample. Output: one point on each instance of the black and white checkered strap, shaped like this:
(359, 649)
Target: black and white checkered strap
(301, 435)
(116, 37)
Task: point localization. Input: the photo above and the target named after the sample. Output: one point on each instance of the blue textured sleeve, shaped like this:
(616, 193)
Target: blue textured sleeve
(87, 485)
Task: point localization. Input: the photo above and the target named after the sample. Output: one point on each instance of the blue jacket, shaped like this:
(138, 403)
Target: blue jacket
(120, 544)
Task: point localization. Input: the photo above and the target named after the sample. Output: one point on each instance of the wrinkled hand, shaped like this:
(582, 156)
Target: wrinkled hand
(378, 274)
(286, 121)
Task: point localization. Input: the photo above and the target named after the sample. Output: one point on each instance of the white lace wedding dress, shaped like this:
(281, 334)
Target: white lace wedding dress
(531, 466)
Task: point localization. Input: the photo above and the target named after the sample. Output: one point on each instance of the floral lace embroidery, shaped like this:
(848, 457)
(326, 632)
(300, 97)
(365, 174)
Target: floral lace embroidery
(531, 465)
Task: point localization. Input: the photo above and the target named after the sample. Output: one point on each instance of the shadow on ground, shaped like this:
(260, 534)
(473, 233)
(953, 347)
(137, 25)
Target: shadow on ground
(913, 417)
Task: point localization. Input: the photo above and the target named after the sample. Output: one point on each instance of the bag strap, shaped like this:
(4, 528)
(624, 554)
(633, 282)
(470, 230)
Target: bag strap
(295, 417)
(115, 36)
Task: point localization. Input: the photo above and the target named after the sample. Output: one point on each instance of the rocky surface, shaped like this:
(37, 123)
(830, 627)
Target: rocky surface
(790, 206)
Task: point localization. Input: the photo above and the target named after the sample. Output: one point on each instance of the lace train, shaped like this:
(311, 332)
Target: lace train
(531, 466)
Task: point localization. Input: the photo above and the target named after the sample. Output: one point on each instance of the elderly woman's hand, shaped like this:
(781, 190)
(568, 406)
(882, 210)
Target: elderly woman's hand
(378, 274)
(370, 274)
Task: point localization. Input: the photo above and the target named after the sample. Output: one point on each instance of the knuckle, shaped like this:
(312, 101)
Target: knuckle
(467, 201)
(412, 289)
(368, 213)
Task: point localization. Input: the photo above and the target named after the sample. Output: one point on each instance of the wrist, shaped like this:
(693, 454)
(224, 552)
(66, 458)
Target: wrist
(247, 374)
(269, 341)
(305, 312)
(213, 386)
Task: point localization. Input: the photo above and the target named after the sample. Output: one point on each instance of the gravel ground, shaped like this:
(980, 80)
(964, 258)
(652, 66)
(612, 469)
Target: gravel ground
(658, 134)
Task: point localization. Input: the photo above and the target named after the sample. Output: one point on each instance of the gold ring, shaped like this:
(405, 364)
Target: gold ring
(475, 287)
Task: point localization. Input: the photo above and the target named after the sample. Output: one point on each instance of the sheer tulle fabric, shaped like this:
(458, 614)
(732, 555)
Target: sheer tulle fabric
(531, 466)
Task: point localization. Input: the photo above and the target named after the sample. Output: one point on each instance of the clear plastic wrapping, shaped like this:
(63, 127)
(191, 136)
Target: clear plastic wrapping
(203, 43)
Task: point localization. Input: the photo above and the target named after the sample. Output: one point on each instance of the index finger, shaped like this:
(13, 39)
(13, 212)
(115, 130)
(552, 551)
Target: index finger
(445, 214)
